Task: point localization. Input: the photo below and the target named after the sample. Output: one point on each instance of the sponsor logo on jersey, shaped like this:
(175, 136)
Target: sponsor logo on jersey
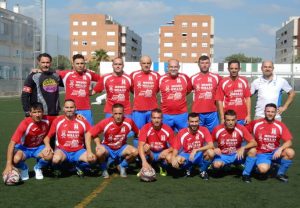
(76, 126)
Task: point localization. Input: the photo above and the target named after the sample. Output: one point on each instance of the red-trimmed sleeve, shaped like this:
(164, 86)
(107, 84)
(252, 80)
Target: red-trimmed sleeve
(286, 134)
(176, 144)
(52, 130)
(250, 126)
(18, 134)
(247, 136)
(143, 134)
(213, 135)
(207, 135)
(97, 129)
(135, 129)
(220, 93)
(99, 87)
(171, 137)
(95, 77)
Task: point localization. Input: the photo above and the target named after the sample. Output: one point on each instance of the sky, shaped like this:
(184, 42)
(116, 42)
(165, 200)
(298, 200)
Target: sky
(241, 26)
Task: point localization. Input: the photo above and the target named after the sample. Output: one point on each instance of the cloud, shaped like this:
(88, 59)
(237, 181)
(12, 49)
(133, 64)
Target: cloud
(268, 29)
(229, 4)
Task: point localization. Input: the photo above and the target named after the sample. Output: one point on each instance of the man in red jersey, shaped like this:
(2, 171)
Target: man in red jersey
(205, 85)
(26, 143)
(193, 146)
(117, 86)
(77, 85)
(174, 87)
(69, 130)
(234, 92)
(114, 147)
(268, 132)
(145, 89)
(229, 137)
(155, 139)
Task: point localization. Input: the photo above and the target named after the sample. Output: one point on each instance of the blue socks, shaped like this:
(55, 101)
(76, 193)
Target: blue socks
(284, 165)
(249, 164)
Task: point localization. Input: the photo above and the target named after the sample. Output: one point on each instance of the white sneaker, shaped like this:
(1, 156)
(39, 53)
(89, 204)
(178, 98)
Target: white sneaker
(105, 174)
(24, 174)
(38, 173)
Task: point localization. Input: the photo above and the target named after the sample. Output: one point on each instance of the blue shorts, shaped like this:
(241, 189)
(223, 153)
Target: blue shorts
(115, 154)
(241, 122)
(228, 159)
(198, 159)
(266, 158)
(87, 114)
(176, 122)
(156, 156)
(209, 120)
(73, 156)
(140, 118)
(30, 152)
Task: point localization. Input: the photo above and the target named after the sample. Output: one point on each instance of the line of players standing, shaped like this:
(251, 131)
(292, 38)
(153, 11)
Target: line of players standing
(201, 139)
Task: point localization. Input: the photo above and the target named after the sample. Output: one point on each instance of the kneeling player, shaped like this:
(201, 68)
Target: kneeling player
(70, 130)
(154, 141)
(229, 137)
(196, 146)
(268, 132)
(113, 147)
(27, 143)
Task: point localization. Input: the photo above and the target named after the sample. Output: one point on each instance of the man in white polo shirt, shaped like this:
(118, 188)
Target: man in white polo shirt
(268, 88)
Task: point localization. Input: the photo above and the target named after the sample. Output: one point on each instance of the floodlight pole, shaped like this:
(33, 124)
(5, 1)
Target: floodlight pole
(43, 41)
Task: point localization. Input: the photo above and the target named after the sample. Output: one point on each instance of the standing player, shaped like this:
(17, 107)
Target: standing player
(145, 88)
(117, 86)
(269, 89)
(114, 147)
(205, 85)
(193, 146)
(268, 132)
(229, 137)
(234, 92)
(27, 143)
(69, 130)
(174, 87)
(154, 141)
(42, 87)
(77, 85)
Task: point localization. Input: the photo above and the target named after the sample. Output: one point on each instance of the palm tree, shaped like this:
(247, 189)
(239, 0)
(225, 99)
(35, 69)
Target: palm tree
(100, 55)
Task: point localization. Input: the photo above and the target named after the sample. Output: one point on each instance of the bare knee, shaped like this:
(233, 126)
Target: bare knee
(288, 154)
(218, 164)
(251, 152)
(263, 168)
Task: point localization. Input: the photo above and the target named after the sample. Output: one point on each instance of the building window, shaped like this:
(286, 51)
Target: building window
(111, 43)
(84, 33)
(167, 45)
(204, 35)
(75, 33)
(184, 24)
(84, 42)
(184, 34)
(194, 45)
(204, 45)
(204, 24)
(111, 53)
(93, 53)
(94, 23)
(94, 33)
(93, 43)
(194, 24)
(75, 52)
(111, 33)
(168, 54)
(204, 54)
(183, 45)
(194, 55)
(75, 42)
(183, 54)
(168, 34)
(84, 23)
(194, 35)
(75, 23)
(84, 53)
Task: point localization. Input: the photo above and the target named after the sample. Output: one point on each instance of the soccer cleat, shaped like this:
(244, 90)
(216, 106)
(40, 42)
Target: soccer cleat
(24, 174)
(105, 174)
(123, 173)
(204, 175)
(246, 178)
(38, 173)
(282, 178)
(138, 174)
(187, 174)
(79, 172)
(162, 171)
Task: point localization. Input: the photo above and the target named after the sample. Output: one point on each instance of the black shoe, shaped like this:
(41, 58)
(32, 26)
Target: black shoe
(204, 175)
(282, 178)
(246, 178)
(57, 173)
(79, 172)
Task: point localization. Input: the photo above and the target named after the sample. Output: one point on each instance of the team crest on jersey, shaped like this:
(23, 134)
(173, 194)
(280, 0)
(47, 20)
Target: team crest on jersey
(167, 88)
(111, 88)
(71, 84)
(178, 80)
(240, 85)
(274, 131)
(63, 134)
(209, 79)
(198, 87)
(234, 135)
(123, 130)
(260, 137)
(123, 81)
(76, 126)
(150, 78)
(139, 84)
(163, 138)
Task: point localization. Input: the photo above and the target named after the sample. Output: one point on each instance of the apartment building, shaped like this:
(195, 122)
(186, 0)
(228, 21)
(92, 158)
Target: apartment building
(186, 38)
(288, 41)
(91, 32)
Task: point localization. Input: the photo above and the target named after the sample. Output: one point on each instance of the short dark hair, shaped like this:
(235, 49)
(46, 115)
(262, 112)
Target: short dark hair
(230, 113)
(271, 105)
(77, 56)
(156, 110)
(117, 105)
(44, 55)
(234, 62)
(193, 115)
(36, 106)
(203, 58)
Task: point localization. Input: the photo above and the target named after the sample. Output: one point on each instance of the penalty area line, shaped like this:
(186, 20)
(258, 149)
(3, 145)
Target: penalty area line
(95, 193)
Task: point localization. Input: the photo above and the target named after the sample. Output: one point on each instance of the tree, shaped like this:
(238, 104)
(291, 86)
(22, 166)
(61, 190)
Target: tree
(100, 55)
(243, 58)
(61, 62)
